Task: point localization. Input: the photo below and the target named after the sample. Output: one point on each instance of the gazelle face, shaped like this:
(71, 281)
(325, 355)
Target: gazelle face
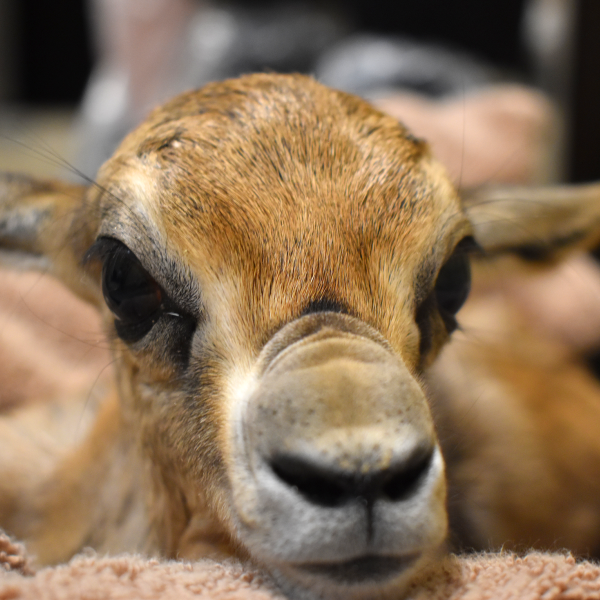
(279, 261)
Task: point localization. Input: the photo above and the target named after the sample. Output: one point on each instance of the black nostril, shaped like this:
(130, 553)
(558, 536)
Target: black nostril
(318, 485)
(332, 487)
(401, 482)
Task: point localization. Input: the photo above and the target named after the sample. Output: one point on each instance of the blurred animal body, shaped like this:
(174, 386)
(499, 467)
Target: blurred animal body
(278, 266)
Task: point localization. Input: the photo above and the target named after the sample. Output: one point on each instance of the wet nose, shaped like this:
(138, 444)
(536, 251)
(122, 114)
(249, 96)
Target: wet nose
(323, 483)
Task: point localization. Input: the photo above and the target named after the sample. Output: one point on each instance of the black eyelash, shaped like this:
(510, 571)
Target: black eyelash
(100, 249)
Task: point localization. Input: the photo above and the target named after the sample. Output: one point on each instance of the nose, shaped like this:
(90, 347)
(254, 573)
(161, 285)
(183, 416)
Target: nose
(335, 452)
(326, 485)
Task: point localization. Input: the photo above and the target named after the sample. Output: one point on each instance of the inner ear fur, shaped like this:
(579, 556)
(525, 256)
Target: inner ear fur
(536, 224)
(44, 225)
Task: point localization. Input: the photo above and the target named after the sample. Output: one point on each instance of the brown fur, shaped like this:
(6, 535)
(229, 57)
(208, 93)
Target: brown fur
(249, 202)
(518, 414)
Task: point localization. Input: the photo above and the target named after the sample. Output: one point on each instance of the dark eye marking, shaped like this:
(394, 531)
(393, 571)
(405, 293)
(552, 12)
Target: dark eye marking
(134, 297)
(451, 289)
(453, 283)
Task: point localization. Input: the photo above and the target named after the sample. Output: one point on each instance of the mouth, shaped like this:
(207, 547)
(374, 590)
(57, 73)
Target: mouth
(364, 570)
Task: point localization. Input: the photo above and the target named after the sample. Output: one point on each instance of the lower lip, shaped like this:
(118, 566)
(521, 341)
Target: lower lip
(366, 569)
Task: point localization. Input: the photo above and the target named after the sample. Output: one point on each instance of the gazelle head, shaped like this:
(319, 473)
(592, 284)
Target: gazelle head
(277, 263)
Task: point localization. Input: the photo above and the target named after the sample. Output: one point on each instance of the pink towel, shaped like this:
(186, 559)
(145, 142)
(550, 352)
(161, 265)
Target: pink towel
(495, 576)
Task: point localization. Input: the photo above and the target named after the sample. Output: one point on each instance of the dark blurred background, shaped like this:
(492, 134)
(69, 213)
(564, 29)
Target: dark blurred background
(47, 53)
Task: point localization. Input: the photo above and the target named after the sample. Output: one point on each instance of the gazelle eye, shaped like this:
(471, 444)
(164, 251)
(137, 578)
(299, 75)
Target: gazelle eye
(138, 301)
(454, 283)
(130, 292)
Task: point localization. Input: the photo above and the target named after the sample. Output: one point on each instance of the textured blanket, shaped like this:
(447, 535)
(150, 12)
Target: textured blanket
(498, 576)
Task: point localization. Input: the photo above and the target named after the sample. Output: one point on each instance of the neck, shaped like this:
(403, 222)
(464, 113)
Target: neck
(95, 497)
(106, 495)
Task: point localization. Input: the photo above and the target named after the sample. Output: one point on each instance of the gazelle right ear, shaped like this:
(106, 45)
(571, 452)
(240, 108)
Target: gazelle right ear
(538, 224)
(43, 225)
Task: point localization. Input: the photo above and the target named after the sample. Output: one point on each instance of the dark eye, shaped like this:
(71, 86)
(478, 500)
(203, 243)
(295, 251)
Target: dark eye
(454, 283)
(131, 293)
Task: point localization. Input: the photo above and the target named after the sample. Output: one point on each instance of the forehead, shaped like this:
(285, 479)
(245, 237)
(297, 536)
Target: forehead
(278, 173)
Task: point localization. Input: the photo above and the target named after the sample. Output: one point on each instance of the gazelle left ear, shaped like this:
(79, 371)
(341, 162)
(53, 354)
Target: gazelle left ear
(44, 226)
(538, 224)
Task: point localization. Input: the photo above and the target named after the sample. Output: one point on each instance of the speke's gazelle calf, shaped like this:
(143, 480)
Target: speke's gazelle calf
(278, 264)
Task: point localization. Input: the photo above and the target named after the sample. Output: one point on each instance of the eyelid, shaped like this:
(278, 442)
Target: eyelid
(101, 248)
(105, 247)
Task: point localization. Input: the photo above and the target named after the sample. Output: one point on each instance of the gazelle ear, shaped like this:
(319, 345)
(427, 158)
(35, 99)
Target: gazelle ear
(43, 226)
(537, 224)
